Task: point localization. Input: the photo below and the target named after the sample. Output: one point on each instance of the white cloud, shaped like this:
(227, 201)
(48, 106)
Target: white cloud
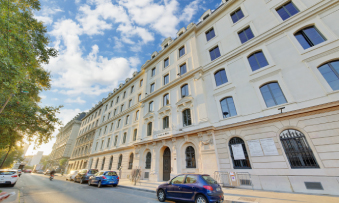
(78, 100)
(55, 99)
(46, 14)
(43, 96)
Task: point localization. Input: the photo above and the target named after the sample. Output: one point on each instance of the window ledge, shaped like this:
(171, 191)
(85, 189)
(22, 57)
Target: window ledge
(236, 23)
(223, 85)
(278, 106)
(224, 119)
(333, 92)
(305, 51)
(180, 57)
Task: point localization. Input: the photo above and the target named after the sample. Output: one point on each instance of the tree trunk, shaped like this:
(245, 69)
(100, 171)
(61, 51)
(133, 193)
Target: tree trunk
(3, 161)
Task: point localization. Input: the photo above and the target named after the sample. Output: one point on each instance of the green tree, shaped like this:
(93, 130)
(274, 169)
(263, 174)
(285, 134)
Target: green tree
(63, 162)
(45, 160)
(23, 51)
(15, 155)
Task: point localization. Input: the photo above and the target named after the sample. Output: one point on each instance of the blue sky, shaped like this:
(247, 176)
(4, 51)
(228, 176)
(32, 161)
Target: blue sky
(102, 42)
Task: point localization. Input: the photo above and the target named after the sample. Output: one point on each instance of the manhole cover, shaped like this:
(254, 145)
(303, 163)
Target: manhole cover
(247, 199)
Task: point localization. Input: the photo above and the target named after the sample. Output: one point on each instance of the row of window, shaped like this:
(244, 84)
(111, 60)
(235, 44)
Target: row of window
(130, 162)
(181, 52)
(296, 147)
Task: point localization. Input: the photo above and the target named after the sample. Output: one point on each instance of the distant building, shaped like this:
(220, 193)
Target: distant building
(65, 140)
(36, 158)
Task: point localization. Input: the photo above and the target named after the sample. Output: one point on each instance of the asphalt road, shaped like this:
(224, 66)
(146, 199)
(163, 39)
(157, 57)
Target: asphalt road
(39, 189)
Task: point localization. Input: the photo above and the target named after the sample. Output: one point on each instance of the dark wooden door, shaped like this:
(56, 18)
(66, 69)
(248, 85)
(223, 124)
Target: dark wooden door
(167, 164)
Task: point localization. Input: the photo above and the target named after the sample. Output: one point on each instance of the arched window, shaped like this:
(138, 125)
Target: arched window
(124, 138)
(148, 160)
(297, 150)
(103, 164)
(166, 100)
(110, 163)
(257, 60)
(150, 106)
(220, 77)
(239, 157)
(330, 72)
(116, 141)
(190, 157)
(272, 94)
(309, 37)
(135, 134)
(108, 142)
(149, 129)
(186, 117)
(96, 165)
(184, 91)
(130, 163)
(119, 121)
(136, 115)
(228, 107)
(165, 122)
(120, 161)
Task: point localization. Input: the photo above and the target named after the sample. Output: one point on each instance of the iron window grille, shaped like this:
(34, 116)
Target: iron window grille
(148, 160)
(237, 15)
(288, 10)
(130, 163)
(186, 117)
(245, 35)
(215, 53)
(330, 72)
(297, 149)
(165, 122)
(257, 60)
(239, 164)
(228, 107)
(272, 94)
(309, 37)
(220, 77)
(210, 34)
(190, 157)
(120, 161)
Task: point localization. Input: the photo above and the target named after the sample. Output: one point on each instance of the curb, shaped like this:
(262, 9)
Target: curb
(140, 189)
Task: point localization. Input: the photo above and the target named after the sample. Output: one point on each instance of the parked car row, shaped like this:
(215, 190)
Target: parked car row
(94, 177)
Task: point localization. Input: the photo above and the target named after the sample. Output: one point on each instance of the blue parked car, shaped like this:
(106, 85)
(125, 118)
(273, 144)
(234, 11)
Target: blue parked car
(104, 178)
(191, 188)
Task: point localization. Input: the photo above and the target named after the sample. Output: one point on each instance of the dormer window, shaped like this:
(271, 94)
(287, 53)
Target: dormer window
(204, 18)
(166, 45)
(181, 33)
(153, 57)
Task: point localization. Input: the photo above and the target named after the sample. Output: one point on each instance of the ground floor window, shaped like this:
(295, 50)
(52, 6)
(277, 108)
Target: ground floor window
(239, 153)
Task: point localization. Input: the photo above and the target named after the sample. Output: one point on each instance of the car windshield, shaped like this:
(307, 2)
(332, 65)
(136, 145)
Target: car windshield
(209, 180)
(111, 173)
(7, 172)
(92, 171)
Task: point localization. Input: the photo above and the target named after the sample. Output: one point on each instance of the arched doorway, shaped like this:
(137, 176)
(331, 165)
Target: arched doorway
(167, 164)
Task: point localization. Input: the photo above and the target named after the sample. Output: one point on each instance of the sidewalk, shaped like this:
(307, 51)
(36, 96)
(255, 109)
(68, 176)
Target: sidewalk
(11, 199)
(244, 195)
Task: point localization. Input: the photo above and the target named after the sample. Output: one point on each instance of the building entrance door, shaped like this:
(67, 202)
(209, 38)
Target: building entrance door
(167, 164)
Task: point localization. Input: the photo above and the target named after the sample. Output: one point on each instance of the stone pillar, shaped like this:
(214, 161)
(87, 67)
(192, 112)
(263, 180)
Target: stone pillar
(208, 155)
(174, 160)
(154, 173)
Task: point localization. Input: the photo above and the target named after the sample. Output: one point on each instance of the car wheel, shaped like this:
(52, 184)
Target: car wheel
(115, 185)
(99, 184)
(161, 195)
(200, 199)
(81, 181)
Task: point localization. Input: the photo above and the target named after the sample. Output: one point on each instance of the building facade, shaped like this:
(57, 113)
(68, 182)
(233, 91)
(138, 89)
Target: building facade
(65, 140)
(253, 88)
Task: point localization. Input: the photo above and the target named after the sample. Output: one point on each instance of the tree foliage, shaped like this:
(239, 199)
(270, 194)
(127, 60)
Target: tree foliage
(63, 162)
(23, 51)
(16, 154)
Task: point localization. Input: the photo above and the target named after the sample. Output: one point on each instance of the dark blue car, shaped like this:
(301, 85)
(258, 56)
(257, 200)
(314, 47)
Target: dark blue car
(104, 178)
(191, 188)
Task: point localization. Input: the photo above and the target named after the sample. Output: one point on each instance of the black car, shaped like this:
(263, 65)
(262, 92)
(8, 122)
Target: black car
(84, 175)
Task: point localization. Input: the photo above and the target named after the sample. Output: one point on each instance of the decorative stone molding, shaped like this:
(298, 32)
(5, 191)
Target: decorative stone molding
(120, 86)
(206, 138)
(127, 80)
(186, 102)
(181, 31)
(166, 41)
(205, 15)
(154, 54)
(189, 26)
(135, 73)
(165, 111)
(198, 76)
(148, 117)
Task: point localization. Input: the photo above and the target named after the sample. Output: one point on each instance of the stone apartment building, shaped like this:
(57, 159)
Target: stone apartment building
(65, 140)
(253, 88)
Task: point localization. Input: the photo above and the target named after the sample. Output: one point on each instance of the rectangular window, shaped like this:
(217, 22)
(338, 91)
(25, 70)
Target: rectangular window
(237, 15)
(152, 88)
(115, 111)
(166, 79)
(111, 127)
(288, 10)
(109, 115)
(139, 97)
(151, 106)
(132, 89)
(245, 35)
(115, 141)
(153, 72)
(181, 51)
(124, 95)
(166, 62)
(165, 122)
(108, 142)
(141, 81)
(183, 69)
(214, 53)
(166, 45)
(122, 108)
(210, 34)
(111, 106)
(130, 103)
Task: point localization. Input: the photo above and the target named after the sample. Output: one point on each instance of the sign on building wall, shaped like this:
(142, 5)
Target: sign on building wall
(255, 148)
(269, 147)
(238, 152)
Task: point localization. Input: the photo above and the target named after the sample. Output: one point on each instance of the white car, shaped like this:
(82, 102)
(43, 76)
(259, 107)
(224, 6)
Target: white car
(8, 177)
(71, 175)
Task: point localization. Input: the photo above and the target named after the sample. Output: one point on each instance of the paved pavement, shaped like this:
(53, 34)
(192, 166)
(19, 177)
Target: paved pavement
(39, 189)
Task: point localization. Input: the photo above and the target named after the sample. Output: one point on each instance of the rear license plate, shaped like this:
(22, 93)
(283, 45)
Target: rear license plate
(111, 182)
(218, 189)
